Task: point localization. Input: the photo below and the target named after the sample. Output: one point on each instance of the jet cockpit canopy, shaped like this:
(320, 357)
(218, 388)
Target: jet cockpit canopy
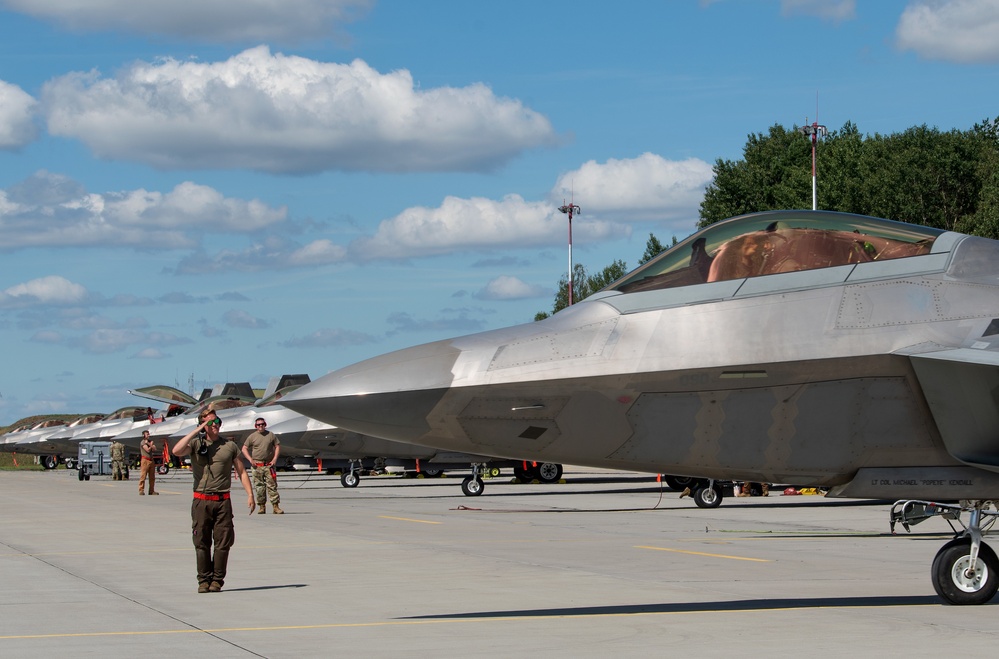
(778, 241)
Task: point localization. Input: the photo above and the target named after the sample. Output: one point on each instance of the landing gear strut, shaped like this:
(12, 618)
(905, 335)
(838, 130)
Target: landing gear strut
(472, 486)
(351, 476)
(707, 494)
(965, 570)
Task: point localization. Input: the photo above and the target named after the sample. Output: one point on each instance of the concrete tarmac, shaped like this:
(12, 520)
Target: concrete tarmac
(605, 564)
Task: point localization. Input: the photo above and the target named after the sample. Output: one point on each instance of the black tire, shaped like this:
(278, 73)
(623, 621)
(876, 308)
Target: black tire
(526, 475)
(949, 575)
(678, 483)
(472, 486)
(49, 461)
(349, 479)
(81, 473)
(708, 497)
(549, 472)
(163, 469)
(431, 472)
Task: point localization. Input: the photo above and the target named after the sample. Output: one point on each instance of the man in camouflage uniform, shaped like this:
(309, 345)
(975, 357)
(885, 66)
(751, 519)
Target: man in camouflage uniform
(262, 449)
(118, 469)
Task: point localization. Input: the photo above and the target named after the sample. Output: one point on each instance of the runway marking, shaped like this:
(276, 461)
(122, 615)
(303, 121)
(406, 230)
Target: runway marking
(407, 519)
(701, 553)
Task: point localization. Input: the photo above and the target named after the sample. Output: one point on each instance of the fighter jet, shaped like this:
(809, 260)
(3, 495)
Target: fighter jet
(353, 451)
(806, 347)
(54, 445)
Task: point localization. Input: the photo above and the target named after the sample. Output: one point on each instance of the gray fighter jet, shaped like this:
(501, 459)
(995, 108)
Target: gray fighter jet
(814, 348)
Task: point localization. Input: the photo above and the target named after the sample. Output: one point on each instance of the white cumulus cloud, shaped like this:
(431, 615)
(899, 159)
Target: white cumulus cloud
(471, 224)
(964, 31)
(51, 210)
(43, 291)
(510, 288)
(287, 114)
(648, 187)
(17, 117)
(201, 20)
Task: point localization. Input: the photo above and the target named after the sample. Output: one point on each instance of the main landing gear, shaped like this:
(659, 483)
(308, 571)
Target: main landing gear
(965, 570)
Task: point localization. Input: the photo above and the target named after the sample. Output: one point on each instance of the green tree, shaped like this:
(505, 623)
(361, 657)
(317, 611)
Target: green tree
(775, 172)
(652, 249)
(922, 175)
(583, 285)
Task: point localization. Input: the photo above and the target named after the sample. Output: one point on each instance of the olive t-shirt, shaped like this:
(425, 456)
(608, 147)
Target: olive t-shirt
(261, 445)
(213, 471)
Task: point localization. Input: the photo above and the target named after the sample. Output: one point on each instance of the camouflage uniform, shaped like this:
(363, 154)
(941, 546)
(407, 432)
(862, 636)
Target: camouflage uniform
(261, 446)
(118, 469)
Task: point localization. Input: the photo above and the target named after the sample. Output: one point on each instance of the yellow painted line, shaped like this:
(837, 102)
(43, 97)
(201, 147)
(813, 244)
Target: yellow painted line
(407, 519)
(701, 553)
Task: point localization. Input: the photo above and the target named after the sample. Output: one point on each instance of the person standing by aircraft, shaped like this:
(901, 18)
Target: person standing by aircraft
(213, 458)
(262, 449)
(147, 466)
(119, 471)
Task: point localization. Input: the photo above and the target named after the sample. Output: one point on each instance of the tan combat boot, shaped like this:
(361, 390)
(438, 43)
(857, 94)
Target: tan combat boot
(277, 509)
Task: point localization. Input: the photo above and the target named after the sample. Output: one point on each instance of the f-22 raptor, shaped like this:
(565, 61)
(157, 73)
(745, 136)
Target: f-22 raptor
(807, 347)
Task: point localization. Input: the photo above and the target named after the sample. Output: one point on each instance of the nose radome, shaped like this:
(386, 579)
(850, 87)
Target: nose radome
(388, 396)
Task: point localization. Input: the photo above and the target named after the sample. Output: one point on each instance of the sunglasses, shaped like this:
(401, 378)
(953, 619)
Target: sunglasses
(260, 425)
(214, 422)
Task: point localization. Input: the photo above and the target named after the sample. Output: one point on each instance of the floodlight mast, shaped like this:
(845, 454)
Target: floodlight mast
(569, 209)
(814, 130)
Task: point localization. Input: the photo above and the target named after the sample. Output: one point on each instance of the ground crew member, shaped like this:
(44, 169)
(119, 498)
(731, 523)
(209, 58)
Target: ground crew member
(118, 469)
(212, 460)
(147, 466)
(262, 449)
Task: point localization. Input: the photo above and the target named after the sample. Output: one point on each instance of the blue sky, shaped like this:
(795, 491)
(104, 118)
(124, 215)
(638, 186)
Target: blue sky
(224, 191)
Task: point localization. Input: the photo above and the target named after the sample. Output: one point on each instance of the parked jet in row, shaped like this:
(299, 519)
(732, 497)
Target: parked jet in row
(814, 348)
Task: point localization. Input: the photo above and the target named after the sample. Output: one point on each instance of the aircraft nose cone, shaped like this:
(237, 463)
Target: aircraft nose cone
(388, 396)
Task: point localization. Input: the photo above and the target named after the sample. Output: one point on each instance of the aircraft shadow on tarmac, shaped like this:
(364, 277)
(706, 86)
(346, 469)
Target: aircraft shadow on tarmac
(699, 607)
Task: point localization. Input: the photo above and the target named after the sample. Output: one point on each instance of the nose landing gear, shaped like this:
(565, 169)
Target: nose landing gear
(965, 570)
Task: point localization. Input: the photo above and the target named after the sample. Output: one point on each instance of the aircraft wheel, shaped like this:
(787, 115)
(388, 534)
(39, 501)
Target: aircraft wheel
(708, 497)
(524, 474)
(678, 483)
(472, 487)
(950, 573)
(49, 461)
(549, 472)
(349, 479)
(70, 463)
(163, 470)
(430, 472)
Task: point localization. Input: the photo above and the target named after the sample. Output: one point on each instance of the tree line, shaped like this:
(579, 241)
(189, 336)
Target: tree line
(944, 179)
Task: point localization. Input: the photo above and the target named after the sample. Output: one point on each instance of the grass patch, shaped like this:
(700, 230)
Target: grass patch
(24, 462)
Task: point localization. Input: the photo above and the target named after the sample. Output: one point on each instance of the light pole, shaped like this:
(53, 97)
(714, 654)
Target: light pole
(814, 130)
(569, 209)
